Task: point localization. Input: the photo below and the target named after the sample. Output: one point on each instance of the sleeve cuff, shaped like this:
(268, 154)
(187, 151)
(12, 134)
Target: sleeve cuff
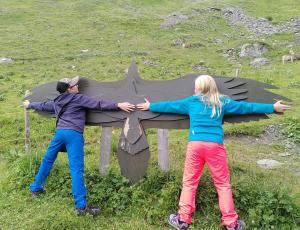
(272, 110)
(151, 107)
(31, 105)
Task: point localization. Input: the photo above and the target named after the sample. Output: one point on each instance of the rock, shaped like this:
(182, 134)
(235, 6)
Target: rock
(200, 68)
(268, 163)
(297, 173)
(84, 51)
(297, 40)
(229, 53)
(148, 62)
(272, 132)
(291, 146)
(253, 50)
(4, 60)
(178, 42)
(218, 41)
(286, 154)
(257, 62)
(172, 20)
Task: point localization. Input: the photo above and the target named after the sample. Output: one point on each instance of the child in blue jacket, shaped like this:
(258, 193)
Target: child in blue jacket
(206, 110)
(70, 109)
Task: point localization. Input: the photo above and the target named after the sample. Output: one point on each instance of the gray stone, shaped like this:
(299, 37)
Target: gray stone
(272, 132)
(229, 53)
(268, 163)
(291, 146)
(173, 19)
(257, 62)
(297, 40)
(148, 62)
(4, 60)
(297, 173)
(178, 42)
(201, 68)
(286, 154)
(218, 41)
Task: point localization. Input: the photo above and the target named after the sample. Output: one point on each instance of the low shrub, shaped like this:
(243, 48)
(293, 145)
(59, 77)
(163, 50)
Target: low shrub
(264, 204)
(291, 129)
(260, 201)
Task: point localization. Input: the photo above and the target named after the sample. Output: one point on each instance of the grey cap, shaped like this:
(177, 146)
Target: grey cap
(70, 81)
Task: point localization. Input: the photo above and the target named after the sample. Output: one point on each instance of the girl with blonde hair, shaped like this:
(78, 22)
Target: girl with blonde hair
(206, 110)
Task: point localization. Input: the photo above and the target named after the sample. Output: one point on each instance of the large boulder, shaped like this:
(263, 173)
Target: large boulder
(253, 50)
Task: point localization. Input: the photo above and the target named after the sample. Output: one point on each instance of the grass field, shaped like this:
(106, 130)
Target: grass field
(48, 40)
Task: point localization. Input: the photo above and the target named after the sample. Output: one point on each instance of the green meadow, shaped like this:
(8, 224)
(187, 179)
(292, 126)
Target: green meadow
(48, 40)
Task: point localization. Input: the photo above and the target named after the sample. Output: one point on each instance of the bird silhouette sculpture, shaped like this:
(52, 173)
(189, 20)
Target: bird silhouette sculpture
(133, 150)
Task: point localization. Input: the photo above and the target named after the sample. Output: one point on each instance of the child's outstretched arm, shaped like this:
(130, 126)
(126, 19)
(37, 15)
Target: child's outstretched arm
(41, 106)
(92, 103)
(242, 107)
(175, 106)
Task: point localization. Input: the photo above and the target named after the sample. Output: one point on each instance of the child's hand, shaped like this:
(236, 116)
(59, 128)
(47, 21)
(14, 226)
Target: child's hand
(144, 106)
(126, 106)
(26, 104)
(280, 108)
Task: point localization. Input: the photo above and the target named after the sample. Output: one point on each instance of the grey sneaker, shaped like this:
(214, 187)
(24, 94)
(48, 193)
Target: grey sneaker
(93, 210)
(176, 223)
(240, 226)
(38, 193)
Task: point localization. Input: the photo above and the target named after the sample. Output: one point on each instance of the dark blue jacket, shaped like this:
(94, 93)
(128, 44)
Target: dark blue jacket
(74, 106)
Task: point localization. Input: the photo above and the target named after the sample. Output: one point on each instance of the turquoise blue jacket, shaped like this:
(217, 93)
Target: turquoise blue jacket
(202, 126)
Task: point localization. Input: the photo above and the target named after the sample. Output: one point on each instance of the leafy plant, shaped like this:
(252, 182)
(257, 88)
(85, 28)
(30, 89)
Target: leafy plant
(2, 97)
(264, 205)
(292, 129)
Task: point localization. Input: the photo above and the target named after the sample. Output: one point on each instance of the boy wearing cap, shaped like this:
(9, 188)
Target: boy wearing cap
(70, 109)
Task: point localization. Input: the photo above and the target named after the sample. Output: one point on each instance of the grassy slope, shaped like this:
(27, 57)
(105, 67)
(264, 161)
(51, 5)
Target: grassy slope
(46, 38)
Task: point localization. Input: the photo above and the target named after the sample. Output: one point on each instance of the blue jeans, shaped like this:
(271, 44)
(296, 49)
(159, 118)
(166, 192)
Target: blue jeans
(74, 143)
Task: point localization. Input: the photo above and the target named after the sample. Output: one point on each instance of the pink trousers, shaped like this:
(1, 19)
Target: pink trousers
(214, 154)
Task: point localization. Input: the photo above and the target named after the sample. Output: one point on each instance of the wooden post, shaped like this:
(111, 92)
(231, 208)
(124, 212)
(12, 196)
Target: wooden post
(237, 73)
(163, 149)
(105, 147)
(27, 126)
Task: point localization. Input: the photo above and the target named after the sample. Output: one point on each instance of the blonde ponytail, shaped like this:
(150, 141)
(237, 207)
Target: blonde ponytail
(206, 88)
